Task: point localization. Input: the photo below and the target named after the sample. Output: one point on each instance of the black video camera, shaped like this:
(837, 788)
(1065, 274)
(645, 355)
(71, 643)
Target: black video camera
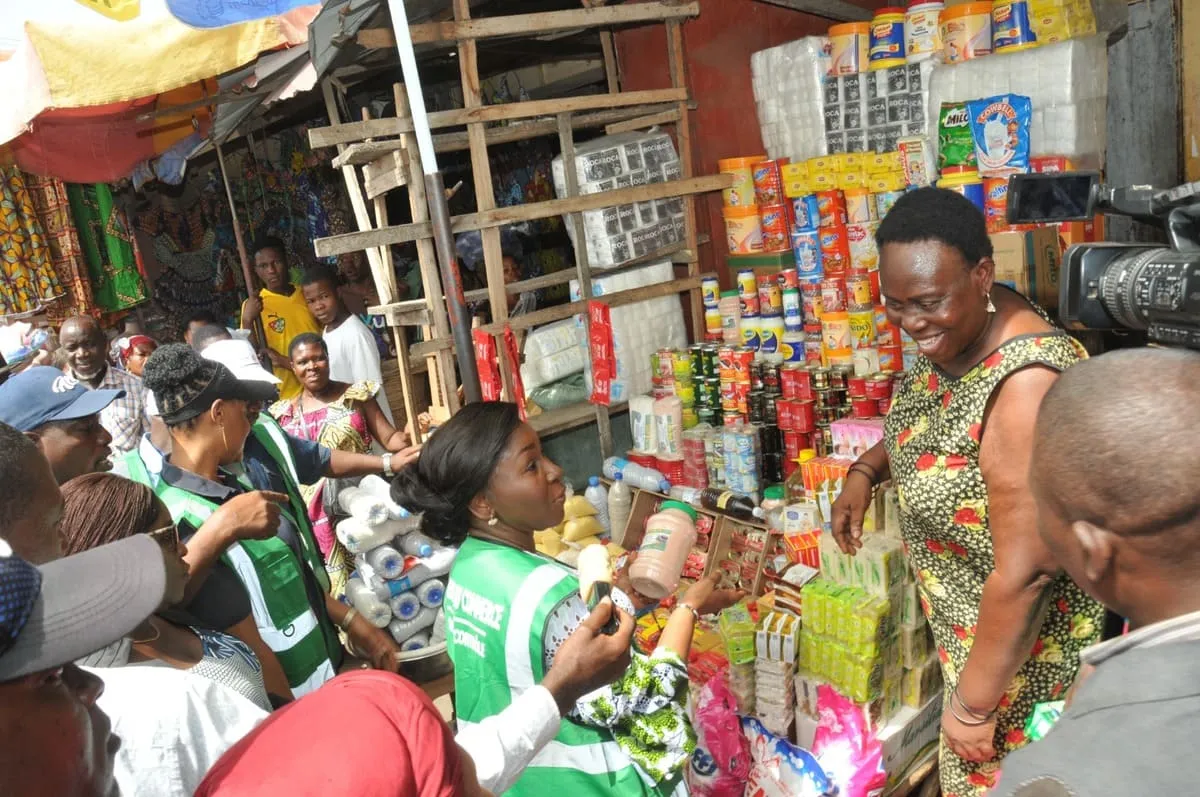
(1115, 285)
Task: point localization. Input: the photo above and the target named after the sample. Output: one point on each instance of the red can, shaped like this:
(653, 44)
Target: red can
(783, 413)
(804, 416)
(810, 301)
(793, 443)
(768, 182)
(743, 361)
(770, 295)
(773, 219)
(879, 386)
(885, 330)
(891, 358)
(831, 211)
(865, 407)
(885, 405)
(835, 250)
(645, 460)
(833, 295)
(795, 381)
(873, 276)
(733, 418)
(788, 278)
(813, 346)
(856, 386)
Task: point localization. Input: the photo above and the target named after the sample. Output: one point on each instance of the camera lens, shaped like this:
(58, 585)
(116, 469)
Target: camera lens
(1123, 287)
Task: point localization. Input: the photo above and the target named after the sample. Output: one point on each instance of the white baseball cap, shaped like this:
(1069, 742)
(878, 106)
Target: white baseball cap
(240, 358)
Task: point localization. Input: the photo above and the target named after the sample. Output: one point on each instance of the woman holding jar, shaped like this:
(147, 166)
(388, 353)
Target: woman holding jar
(1007, 623)
(482, 482)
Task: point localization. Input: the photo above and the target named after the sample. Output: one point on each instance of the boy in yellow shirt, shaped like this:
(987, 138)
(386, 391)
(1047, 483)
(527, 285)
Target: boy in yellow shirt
(282, 308)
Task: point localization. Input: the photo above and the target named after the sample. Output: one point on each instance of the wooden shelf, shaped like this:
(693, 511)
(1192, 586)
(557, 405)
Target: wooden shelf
(553, 421)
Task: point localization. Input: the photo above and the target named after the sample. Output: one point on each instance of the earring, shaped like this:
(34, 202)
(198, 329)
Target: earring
(493, 520)
(224, 441)
(991, 308)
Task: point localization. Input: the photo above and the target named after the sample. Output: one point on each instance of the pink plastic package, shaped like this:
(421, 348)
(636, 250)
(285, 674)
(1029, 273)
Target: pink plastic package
(721, 763)
(848, 751)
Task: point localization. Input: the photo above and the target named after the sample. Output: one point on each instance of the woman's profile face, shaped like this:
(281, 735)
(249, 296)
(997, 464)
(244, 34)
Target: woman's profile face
(526, 490)
(310, 364)
(233, 423)
(934, 295)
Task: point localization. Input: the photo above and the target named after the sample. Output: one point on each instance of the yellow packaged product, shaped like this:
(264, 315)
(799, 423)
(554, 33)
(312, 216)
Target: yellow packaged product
(848, 181)
(823, 164)
(813, 606)
(885, 182)
(863, 679)
(914, 644)
(882, 162)
(893, 688)
(807, 649)
(921, 683)
(822, 181)
(1049, 20)
(795, 180)
(851, 161)
(839, 662)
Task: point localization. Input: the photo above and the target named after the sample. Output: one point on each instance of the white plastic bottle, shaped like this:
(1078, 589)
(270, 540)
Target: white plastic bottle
(376, 486)
(405, 605)
(620, 503)
(636, 475)
(361, 597)
(416, 544)
(402, 630)
(386, 561)
(597, 496)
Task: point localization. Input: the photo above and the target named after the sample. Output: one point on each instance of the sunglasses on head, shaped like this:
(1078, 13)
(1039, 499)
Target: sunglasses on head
(167, 538)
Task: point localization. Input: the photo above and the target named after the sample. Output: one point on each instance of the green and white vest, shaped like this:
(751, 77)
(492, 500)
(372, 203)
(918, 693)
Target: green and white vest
(496, 605)
(303, 641)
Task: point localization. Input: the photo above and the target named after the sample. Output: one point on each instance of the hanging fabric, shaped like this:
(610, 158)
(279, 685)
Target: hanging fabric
(49, 195)
(108, 247)
(27, 279)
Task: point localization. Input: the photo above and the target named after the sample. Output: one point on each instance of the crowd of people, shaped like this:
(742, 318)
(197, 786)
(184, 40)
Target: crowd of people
(172, 613)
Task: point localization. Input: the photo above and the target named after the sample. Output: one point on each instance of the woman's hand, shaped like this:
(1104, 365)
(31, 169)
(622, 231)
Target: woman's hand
(249, 516)
(374, 644)
(849, 510)
(705, 598)
(969, 742)
(622, 582)
(405, 457)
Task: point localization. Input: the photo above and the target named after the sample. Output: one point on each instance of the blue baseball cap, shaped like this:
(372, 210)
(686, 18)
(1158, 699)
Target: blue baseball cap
(61, 611)
(42, 394)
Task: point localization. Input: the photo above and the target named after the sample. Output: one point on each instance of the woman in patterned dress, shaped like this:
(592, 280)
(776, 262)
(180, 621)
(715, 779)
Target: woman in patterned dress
(338, 416)
(1007, 623)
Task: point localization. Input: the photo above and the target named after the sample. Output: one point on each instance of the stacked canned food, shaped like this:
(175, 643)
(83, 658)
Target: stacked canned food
(871, 395)
(734, 367)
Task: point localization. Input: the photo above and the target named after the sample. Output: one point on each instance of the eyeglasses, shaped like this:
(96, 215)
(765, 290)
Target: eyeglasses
(167, 538)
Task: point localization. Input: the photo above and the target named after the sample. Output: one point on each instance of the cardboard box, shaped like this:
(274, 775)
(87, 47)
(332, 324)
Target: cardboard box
(909, 735)
(1029, 263)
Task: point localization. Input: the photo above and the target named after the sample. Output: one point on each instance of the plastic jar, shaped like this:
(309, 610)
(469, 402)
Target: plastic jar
(886, 48)
(849, 46)
(922, 35)
(1011, 27)
(741, 193)
(730, 307)
(742, 228)
(670, 535)
(965, 181)
(966, 32)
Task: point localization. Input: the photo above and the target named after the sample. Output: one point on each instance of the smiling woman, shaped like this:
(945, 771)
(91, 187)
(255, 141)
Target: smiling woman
(958, 441)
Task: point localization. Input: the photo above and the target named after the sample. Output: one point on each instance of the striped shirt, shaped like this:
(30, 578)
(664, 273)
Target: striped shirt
(126, 418)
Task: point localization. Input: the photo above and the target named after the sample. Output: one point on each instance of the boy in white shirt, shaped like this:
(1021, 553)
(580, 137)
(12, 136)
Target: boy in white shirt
(353, 355)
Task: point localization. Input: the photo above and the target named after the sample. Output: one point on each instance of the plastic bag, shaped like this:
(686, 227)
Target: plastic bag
(782, 769)
(1000, 131)
(721, 763)
(846, 748)
(562, 393)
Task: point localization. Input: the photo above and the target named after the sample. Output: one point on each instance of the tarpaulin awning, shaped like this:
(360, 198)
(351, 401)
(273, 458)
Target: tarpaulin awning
(94, 61)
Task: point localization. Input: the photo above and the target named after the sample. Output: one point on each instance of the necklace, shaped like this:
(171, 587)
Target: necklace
(157, 634)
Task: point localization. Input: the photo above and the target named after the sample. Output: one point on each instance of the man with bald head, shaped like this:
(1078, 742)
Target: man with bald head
(1116, 477)
(125, 419)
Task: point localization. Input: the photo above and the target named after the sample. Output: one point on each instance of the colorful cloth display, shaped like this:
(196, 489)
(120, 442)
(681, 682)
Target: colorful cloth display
(49, 195)
(27, 278)
(108, 247)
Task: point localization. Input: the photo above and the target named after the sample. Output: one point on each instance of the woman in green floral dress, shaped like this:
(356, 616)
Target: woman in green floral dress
(1007, 624)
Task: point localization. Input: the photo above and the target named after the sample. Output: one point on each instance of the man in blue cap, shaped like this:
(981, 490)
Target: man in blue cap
(62, 417)
(54, 738)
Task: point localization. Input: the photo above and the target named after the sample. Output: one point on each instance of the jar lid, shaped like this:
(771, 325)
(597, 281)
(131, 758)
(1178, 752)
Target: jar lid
(774, 492)
(681, 506)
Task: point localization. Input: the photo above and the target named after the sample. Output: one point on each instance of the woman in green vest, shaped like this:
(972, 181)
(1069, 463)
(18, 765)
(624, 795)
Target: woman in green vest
(482, 482)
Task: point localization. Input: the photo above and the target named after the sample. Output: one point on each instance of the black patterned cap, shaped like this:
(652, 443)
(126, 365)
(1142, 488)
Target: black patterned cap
(69, 608)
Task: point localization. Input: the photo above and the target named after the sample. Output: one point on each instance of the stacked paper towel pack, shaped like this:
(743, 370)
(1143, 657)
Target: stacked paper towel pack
(622, 233)
(872, 111)
(639, 329)
(788, 92)
(400, 575)
(552, 352)
(1067, 83)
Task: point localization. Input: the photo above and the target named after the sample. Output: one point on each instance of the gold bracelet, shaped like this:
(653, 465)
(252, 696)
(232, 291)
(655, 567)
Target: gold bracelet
(349, 618)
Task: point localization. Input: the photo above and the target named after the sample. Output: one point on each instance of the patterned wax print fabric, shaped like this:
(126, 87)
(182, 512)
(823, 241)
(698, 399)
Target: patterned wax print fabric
(108, 247)
(933, 435)
(339, 426)
(27, 278)
(49, 195)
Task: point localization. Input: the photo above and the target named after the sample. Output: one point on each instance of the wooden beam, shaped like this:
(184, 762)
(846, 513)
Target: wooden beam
(642, 122)
(357, 131)
(677, 66)
(418, 230)
(561, 311)
(837, 10)
(528, 25)
(366, 151)
(570, 417)
(1189, 87)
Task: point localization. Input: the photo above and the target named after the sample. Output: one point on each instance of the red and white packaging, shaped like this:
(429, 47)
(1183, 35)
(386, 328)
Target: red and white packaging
(604, 358)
